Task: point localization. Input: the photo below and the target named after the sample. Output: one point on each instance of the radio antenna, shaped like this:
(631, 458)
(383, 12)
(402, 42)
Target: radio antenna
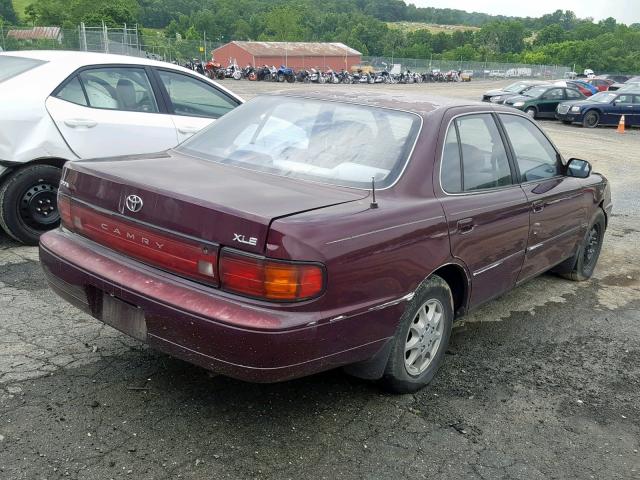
(374, 204)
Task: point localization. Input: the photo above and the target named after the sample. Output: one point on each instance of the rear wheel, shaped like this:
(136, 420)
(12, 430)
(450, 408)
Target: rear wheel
(591, 120)
(28, 202)
(421, 339)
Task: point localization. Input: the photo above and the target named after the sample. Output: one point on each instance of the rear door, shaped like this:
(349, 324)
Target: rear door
(550, 101)
(111, 110)
(193, 102)
(628, 106)
(556, 202)
(487, 212)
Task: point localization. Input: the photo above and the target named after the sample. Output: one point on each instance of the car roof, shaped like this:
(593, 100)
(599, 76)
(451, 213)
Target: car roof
(420, 103)
(78, 59)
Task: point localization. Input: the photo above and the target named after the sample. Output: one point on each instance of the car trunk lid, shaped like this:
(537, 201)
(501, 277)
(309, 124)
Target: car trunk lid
(201, 199)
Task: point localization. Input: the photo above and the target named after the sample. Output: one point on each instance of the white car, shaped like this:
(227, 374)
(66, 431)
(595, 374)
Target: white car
(57, 106)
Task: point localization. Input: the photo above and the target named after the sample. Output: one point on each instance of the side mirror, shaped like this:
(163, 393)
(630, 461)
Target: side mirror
(578, 168)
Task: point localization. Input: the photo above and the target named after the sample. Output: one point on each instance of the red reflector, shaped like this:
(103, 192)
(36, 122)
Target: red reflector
(270, 279)
(184, 257)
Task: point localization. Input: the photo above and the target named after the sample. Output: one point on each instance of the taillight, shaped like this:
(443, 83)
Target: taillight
(183, 256)
(64, 209)
(269, 279)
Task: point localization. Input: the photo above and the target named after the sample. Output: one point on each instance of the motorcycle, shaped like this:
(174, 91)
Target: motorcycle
(316, 77)
(331, 76)
(233, 71)
(212, 69)
(286, 74)
(344, 76)
(263, 74)
(303, 76)
(250, 73)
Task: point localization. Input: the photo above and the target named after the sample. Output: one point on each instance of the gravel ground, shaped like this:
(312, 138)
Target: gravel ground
(542, 383)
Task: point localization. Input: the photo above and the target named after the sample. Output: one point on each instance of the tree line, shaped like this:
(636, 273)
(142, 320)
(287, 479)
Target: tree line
(557, 38)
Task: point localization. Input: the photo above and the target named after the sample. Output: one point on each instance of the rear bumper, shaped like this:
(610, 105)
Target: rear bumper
(205, 327)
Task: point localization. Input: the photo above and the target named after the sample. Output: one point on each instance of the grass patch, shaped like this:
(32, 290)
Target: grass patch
(433, 28)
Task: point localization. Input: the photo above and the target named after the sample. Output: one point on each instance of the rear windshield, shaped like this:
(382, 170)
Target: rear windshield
(13, 66)
(329, 142)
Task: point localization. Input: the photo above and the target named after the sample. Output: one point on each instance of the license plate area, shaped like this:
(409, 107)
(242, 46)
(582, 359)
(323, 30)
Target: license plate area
(123, 316)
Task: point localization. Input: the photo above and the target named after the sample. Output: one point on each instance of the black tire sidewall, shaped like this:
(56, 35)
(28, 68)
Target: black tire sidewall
(11, 192)
(583, 271)
(396, 378)
(587, 116)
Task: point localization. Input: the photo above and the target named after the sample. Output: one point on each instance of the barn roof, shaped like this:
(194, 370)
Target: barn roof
(296, 49)
(35, 33)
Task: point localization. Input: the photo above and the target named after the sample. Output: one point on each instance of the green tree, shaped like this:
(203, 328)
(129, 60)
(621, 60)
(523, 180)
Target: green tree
(7, 13)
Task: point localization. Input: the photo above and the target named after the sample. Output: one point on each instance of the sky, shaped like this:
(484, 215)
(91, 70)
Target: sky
(625, 11)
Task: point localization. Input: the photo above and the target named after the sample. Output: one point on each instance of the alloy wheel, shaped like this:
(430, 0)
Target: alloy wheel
(424, 337)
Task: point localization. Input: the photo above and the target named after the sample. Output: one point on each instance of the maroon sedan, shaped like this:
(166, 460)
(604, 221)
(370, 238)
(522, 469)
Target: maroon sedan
(296, 235)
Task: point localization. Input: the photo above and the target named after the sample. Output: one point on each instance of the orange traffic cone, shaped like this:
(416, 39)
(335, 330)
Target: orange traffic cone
(621, 125)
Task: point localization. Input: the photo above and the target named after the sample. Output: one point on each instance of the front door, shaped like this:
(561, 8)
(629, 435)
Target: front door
(487, 212)
(193, 102)
(110, 111)
(556, 202)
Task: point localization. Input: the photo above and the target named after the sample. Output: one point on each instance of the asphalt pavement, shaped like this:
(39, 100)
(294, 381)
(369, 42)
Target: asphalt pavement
(543, 383)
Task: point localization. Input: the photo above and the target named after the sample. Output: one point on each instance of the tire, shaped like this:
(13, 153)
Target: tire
(28, 204)
(591, 120)
(531, 112)
(581, 266)
(402, 374)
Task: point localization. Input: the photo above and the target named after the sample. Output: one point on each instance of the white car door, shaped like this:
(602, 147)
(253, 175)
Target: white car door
(194, 102)
(109, 111)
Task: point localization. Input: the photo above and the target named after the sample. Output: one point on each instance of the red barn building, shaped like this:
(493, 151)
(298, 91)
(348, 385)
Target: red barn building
(297, 55)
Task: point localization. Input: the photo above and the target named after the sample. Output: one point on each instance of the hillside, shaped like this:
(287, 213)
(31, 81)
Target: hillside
(433, 28)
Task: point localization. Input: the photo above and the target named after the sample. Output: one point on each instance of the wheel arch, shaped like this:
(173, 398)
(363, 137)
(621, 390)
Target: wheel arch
(459, 282)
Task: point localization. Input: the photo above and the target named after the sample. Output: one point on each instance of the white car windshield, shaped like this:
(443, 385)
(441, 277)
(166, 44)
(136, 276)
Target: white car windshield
(13, 66)
(324, 141)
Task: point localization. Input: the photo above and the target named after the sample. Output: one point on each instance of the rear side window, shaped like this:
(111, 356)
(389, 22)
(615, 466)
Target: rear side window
(113, 88)
(535, 156)
(573, 94)
(194, 98)
(485, 164)
(72, 92)
(13, 66)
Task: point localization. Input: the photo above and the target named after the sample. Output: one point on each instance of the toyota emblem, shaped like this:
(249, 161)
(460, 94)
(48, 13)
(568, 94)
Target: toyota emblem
(134, 203)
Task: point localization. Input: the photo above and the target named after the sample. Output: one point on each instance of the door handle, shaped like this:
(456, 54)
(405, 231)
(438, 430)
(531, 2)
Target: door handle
(465, 226)
(80, 122)
(538, 207)
(188, 130)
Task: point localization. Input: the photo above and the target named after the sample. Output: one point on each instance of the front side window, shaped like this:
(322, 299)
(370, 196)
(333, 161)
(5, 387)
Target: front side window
(194, 98)
(114, 88)
(535, 156)
(329, 142)
(555, 94)
(625, 99)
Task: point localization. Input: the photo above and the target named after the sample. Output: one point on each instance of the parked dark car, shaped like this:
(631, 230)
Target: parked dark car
(499, 96)
(626, 83)
(260, 249)
(605, 108)
(542, 101)
(602, 84)
(615, 78)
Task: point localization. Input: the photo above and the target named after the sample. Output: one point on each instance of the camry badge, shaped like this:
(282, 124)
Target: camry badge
(134, 203)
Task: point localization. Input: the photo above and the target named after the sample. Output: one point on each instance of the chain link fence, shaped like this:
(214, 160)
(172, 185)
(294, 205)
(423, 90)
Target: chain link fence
(154, 44)
(481, 70)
